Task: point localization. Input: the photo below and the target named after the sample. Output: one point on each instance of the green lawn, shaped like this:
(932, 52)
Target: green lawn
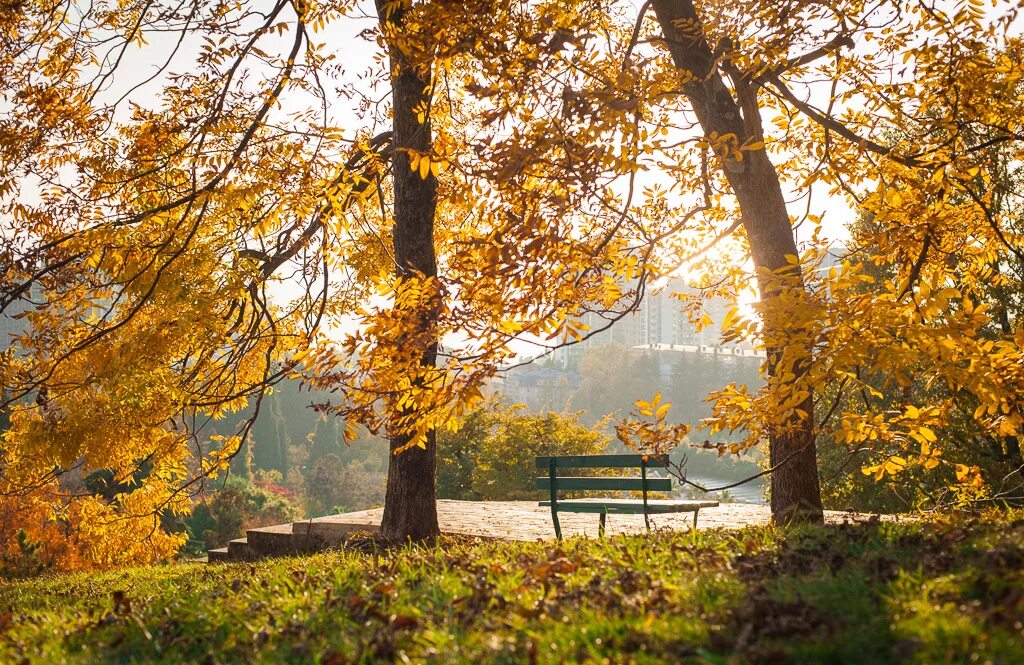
(875, 593)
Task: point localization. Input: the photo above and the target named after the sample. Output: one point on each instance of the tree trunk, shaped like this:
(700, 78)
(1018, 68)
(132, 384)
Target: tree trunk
(410, 502)
(795, 492)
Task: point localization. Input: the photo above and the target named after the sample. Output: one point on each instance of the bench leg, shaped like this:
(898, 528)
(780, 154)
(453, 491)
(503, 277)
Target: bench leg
(558, 527)
(695, 519)
(600, 526)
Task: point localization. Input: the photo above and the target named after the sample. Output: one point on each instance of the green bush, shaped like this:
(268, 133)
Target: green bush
(228, 512)
(491, 458)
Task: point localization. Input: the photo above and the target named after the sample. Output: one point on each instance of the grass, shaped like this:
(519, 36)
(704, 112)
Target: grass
(871, 593)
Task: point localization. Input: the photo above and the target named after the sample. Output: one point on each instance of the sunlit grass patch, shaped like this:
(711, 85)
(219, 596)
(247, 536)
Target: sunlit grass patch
(874, 593)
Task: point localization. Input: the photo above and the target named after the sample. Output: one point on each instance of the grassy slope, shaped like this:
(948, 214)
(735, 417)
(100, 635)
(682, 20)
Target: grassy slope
(925, 593)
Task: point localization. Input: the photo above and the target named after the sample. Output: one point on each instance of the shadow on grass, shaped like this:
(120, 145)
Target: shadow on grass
(855, 593)
(881, 593)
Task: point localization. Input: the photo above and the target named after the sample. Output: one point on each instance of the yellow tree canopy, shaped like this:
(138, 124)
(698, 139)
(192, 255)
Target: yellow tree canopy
(187, 252)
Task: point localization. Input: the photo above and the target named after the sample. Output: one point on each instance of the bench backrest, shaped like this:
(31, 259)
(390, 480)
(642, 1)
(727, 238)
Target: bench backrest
(554, 483)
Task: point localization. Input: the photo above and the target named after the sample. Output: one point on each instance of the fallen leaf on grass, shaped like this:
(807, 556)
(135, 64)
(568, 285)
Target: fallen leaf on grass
(557, 567)
(122, 605)
(403, 621)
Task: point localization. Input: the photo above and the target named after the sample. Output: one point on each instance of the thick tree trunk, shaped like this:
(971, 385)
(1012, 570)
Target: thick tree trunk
(795, 492)
(410, 503)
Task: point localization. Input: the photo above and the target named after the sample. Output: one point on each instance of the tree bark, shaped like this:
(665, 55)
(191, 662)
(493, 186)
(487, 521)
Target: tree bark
(410, 502)
(795, 490)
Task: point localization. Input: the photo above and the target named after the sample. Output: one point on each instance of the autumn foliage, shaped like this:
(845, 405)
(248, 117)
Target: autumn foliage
(178, 252)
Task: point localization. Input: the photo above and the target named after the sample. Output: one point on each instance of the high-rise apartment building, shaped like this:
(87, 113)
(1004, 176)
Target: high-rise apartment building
(10, 326)
(659, 322)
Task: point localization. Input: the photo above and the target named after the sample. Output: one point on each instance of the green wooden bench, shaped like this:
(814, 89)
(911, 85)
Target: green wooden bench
(555, 483)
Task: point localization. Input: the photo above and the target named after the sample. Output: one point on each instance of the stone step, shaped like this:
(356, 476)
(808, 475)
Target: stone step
(276, 540)
(219, 555)
(286, 539)
(236, 550)
(239, 550)
(322, 533)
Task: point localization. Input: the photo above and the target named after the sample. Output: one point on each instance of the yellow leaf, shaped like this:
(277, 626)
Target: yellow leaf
(1006, 427)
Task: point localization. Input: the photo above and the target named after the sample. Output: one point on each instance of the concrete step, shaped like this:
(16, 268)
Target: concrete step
(274, 540)
(324, 532)
(303, 537)
(239, 550)
(219, 555)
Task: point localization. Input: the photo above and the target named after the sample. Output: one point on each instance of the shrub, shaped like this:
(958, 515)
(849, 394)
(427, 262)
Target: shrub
(491, 458)
(228, 512)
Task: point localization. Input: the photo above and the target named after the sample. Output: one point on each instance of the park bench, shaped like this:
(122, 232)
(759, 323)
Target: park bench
(555, 483)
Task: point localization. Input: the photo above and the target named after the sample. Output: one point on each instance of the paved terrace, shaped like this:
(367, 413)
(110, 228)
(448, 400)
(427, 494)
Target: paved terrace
(525, 520)
(503, 520)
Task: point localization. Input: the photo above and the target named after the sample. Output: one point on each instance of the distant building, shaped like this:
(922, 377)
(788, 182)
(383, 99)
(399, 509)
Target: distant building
(539, 388)
(11, 327)
(659, 322)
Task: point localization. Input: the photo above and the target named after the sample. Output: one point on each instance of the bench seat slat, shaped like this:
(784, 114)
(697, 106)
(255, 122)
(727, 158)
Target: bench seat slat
(587, 483)
(629, 506)
(602, 461)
